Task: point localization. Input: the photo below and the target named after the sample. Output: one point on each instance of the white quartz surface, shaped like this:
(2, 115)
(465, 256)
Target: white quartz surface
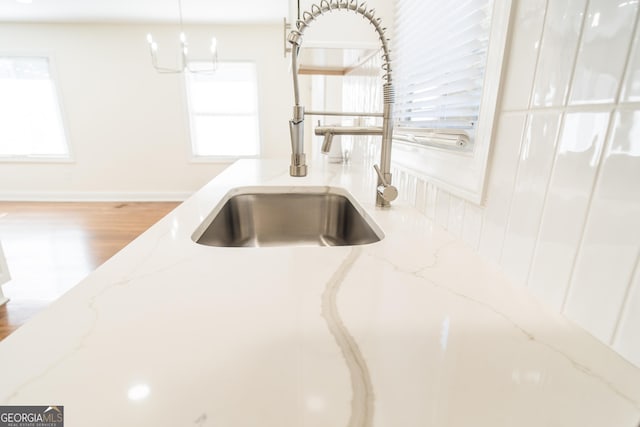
(414, 330)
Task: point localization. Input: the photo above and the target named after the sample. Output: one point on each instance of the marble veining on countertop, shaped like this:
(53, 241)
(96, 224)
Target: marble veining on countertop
(414, 330)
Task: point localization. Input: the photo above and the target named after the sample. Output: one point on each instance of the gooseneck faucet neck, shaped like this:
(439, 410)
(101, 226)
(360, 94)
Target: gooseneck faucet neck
(295, 36)
(296, 124)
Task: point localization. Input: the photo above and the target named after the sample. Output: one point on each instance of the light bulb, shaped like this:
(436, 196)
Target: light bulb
(149, 38)
(214, 45)
(183, 38)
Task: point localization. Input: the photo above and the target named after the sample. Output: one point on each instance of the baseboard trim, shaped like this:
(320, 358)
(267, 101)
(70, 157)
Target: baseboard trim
(93, 197)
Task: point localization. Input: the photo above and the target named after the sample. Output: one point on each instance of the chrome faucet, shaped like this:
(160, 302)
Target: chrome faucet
(385, 192)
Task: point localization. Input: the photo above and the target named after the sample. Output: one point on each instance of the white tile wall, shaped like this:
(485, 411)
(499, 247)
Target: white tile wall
(501, 180)
(534, 166)
(566, 205)
(631, 90)
(562, 207)
(603, 53)
(557, 53)
(610, 243)
(626, 340)
(525, 40)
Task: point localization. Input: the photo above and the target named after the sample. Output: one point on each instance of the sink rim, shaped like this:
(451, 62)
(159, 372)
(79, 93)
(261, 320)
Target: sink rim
(319, 190)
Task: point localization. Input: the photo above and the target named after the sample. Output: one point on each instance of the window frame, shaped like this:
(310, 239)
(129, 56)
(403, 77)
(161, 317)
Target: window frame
(463, 173)
(192, 155)
(53, 76)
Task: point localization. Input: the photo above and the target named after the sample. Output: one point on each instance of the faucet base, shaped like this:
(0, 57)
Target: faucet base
(298, 170)
(298, 165)
(381, 202)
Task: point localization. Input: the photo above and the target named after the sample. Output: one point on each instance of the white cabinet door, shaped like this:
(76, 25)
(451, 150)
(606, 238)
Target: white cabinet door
(4, 275)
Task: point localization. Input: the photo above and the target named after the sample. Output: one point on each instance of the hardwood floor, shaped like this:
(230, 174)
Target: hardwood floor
(50, 247)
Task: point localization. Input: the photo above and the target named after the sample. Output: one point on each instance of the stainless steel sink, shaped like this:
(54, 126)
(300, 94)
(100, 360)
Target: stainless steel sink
(277, 217)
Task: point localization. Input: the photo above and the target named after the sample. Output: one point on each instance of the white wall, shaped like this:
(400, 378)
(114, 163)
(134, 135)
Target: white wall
(127, 125)
(562, 210)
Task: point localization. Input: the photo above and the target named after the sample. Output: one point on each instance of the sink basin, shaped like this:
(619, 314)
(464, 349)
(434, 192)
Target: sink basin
(271, 216)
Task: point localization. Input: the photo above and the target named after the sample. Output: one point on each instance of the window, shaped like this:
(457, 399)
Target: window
(442, 86)
(30, 117)
(223, 111)
(447, 64)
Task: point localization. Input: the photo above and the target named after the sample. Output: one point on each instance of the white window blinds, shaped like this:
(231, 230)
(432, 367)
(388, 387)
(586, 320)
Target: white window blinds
(439, 61)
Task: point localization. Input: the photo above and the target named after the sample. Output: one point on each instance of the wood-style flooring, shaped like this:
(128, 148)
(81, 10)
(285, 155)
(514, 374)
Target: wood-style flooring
(50, 247)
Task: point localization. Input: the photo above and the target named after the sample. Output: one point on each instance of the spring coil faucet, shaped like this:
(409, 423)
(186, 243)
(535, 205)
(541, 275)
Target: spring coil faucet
(385, 192)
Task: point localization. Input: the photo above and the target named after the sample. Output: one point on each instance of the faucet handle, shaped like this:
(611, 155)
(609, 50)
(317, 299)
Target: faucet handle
(386, 191)
(382, 178)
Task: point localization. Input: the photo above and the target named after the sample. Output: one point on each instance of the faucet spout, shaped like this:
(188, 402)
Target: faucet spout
(298, 165)
(329, 131)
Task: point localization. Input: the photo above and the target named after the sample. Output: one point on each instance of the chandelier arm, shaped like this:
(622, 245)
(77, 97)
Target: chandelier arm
(184, 61)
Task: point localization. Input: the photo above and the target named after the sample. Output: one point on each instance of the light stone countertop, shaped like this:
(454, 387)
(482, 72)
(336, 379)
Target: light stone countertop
(414, 330)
